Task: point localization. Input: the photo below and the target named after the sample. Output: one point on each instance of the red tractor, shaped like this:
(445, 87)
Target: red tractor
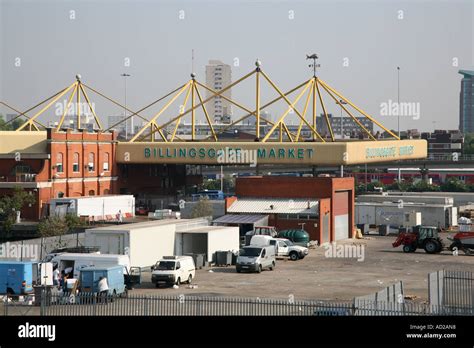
(425, 237)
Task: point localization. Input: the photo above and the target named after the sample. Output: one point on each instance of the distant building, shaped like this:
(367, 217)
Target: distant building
(466, 102)
(218, 76)
(10, 117)
(113, 120)
(349, 127)
(442, 143)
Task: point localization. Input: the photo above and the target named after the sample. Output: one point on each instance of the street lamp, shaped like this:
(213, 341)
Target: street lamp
(124, 75)
(398, 99)
(398, 117)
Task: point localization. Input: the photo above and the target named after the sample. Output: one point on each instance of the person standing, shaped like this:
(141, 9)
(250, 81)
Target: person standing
(119, 217)
(103, 289)
(56, 277)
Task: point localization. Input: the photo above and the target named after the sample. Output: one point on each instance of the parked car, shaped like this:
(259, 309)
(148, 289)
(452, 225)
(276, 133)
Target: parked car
(173, 270)
(283, 246)
(256, 258)
(142, 210)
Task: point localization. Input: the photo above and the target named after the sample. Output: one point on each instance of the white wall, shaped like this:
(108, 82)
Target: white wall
(226, 238)
(392, 215)
(148, 245)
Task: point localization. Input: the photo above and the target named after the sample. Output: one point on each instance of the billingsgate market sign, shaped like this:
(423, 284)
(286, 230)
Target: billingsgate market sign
(309, 153)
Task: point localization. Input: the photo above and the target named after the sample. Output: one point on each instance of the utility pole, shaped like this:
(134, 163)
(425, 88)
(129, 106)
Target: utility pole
(398, 118)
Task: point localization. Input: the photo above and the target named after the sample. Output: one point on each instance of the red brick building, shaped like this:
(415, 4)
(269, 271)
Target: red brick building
(63, 164)
(328, 216)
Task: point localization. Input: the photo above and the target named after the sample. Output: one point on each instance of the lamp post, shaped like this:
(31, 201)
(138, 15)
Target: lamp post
(398, 117)
(124, 75)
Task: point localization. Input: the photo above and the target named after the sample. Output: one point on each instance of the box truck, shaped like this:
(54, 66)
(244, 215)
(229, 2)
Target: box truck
(100, 207)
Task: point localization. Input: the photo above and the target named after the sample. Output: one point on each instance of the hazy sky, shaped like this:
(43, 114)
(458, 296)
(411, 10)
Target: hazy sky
(425, 38)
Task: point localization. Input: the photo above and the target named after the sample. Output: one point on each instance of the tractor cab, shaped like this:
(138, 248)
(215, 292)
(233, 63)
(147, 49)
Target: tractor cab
(425, 232)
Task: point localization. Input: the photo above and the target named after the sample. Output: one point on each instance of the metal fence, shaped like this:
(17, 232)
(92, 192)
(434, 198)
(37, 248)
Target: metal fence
(453, 289)
(181, 305)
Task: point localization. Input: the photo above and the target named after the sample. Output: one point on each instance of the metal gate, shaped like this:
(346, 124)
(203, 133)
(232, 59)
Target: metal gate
(451, 289)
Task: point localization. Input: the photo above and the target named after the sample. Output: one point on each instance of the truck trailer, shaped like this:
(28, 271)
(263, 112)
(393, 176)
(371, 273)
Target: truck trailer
(99, 207)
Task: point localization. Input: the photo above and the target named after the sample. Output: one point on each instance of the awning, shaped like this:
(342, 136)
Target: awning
(240, 219)
(274, 206)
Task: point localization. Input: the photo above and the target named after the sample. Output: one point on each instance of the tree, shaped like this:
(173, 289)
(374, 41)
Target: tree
(57, 226)
(215, 184)
(469, 144)
(52, 226)
(400, 186)
(423, 186)
(454, 185)
(11, 125)
(10, 205)
(202, 208)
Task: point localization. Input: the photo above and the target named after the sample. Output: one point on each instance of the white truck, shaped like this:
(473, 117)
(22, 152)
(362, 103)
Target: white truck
(283, 247)
(99, 207)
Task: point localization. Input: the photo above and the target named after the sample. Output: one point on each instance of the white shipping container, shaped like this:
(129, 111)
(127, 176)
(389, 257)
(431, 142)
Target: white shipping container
(144, 242)
(97, 206)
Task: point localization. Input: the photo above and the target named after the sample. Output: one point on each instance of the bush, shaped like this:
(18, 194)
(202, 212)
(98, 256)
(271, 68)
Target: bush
(202, 208)
(52, 226)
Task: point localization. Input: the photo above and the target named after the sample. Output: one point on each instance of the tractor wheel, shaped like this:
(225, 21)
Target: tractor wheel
(407, 248)
(431, 246)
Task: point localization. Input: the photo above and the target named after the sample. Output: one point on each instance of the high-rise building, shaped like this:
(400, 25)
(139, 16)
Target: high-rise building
(466, 102)
(218, 76)
(113, 120)
(10, 117)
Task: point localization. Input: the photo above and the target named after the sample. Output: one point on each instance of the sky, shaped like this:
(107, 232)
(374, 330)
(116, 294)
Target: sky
(44, 44)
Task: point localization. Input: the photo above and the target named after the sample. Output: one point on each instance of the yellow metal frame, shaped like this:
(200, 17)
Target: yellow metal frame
(191, 90)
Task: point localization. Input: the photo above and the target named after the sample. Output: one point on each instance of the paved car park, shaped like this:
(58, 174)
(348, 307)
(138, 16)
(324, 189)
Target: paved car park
(320, 277)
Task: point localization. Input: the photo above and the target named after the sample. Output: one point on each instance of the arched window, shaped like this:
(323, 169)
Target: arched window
(59, 162)
(60, 194)
(75, 162)
(91, 163)
(105, 167)
(91, 192)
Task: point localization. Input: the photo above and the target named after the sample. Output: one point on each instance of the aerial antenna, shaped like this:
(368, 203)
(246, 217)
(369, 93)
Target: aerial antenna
(192, 61)
(314, 56)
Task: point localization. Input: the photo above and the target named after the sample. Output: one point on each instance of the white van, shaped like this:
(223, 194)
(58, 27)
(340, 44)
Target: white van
(256, 258)
(173, 270)
(80, 260)
(283, 246)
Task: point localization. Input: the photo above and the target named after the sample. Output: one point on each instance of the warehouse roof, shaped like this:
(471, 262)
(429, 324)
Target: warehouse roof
(240, 218)
(134, 226)
(274, 206)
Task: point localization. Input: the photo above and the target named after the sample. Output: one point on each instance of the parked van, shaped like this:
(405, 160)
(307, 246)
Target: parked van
(19, 277)
(78, 261)
(173, 270)
(90, 276)
(283, 246)
(256, 258)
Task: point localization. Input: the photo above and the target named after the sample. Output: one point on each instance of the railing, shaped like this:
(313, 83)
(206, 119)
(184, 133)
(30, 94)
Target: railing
(181, 305)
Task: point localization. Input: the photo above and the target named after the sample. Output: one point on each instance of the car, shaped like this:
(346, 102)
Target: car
(142, 210)
(283, 246)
